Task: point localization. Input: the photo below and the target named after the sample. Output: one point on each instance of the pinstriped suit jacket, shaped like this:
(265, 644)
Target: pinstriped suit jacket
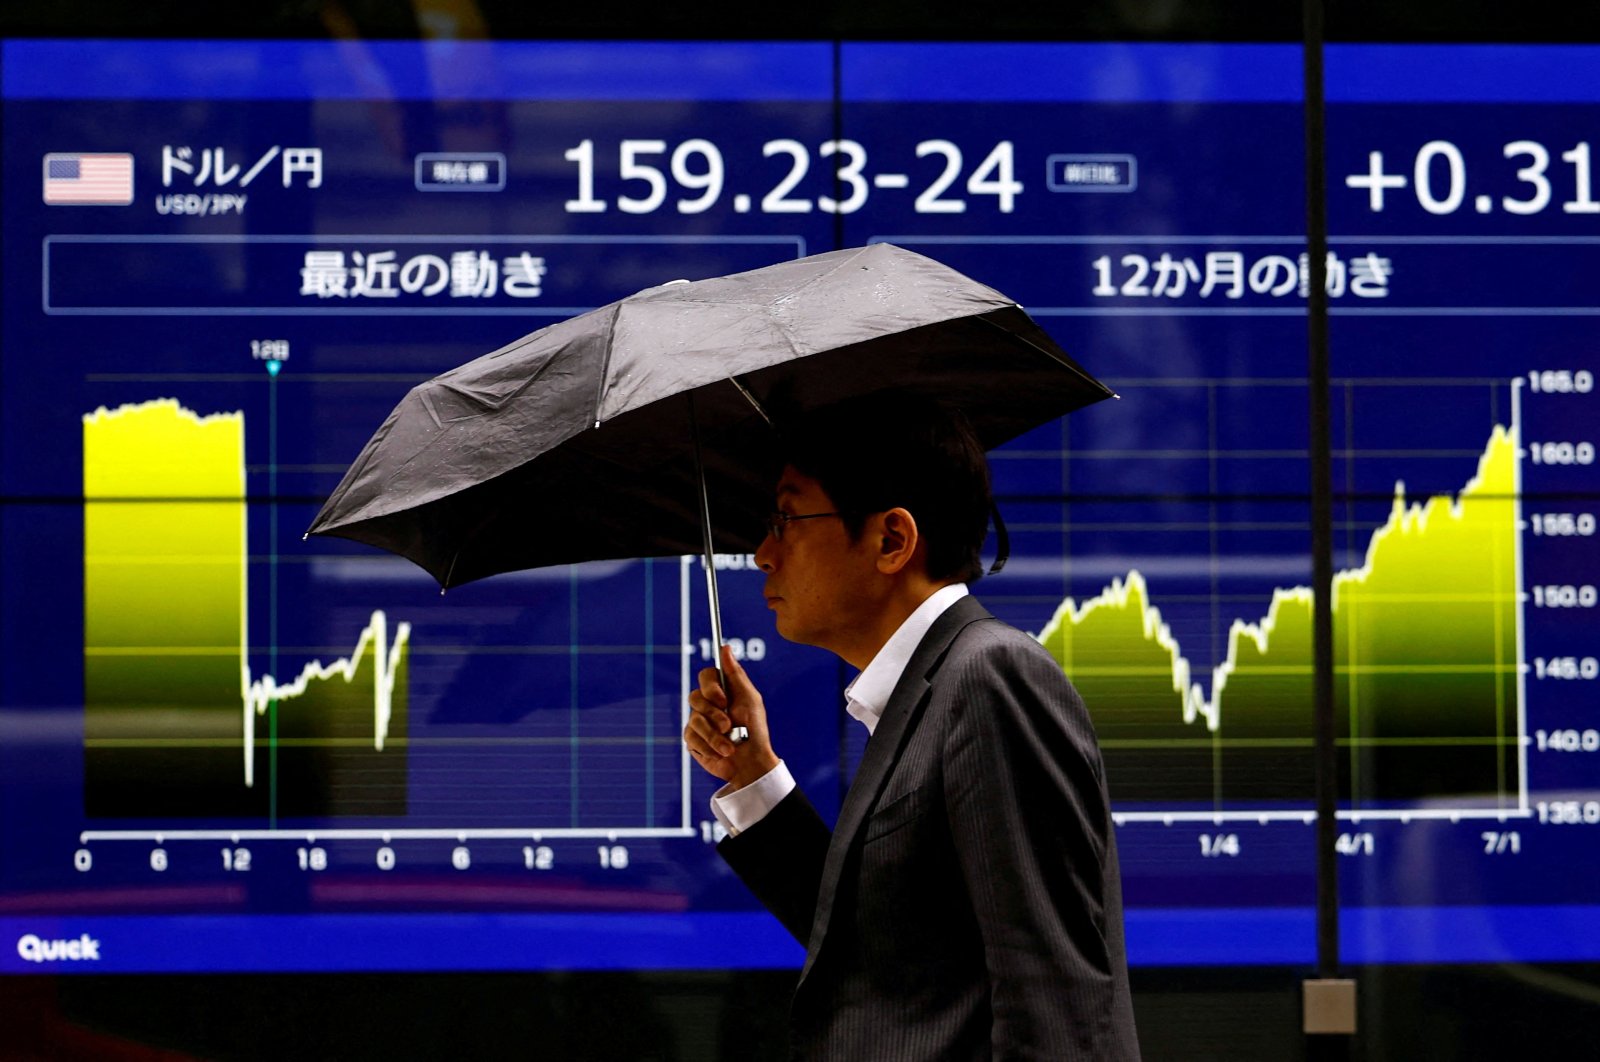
(967, 904)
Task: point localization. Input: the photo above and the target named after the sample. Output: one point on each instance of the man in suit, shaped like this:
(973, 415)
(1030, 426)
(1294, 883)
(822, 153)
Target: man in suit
(967, 903)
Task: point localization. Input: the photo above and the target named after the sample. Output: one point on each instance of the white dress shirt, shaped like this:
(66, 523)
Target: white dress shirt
(866, 698)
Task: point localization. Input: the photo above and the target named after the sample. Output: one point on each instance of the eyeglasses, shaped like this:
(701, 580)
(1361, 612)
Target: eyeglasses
(776, 522)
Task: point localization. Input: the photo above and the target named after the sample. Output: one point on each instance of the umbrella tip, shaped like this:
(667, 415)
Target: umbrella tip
(305, 536)
(441, 591)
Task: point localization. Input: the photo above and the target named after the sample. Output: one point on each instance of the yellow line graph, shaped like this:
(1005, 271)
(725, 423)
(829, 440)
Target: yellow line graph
(166, 601)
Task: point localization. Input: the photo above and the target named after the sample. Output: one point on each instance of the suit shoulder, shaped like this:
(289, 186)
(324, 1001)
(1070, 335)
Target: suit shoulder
(989, 653)
(999, 687)
(992, 641)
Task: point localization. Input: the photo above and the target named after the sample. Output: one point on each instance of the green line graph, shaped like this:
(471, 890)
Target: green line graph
(1427, 670)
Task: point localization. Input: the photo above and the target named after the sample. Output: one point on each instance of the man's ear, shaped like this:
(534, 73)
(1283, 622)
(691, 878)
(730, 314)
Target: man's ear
(897, 540)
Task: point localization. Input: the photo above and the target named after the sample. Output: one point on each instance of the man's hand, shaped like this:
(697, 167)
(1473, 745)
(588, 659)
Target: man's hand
(711, 716)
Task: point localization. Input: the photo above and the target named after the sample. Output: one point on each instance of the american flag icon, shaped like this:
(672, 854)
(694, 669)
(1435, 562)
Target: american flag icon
(72, 179)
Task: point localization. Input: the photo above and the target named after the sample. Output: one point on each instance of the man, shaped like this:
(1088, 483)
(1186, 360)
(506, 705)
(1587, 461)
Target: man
(967, 904)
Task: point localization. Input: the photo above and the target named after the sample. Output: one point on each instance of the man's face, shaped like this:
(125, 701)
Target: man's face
(819, 583)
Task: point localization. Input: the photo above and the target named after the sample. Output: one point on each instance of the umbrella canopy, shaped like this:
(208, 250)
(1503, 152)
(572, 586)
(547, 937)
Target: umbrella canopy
(577, 442)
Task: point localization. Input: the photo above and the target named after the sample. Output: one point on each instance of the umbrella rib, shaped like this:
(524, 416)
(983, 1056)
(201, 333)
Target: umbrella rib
(741, 299)
(820, 277)
(605, 365)
(752, 399)
(986, 319)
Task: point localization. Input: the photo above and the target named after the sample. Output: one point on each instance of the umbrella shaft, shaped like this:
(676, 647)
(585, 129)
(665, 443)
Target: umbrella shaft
(716, 617)
(711, 567)
(738, 734)
(710, 549)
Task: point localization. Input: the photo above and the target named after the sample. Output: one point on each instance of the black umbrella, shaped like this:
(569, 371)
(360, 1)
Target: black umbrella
(603, 435)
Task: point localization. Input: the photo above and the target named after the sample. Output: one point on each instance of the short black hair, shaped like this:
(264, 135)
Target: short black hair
(894, 450)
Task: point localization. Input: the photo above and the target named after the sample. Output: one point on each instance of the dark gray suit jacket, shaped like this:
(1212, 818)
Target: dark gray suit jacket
(967, 905)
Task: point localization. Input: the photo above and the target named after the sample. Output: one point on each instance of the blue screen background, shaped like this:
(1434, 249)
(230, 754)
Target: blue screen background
(543, 708)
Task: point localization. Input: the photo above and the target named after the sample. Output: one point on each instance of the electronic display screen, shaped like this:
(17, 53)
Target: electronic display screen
(225, 748)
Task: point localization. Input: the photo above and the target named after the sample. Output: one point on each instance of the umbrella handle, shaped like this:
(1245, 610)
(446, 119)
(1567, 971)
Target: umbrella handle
(738, 735)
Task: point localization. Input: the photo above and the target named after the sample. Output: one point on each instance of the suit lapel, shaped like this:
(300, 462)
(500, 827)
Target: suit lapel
(883, 751)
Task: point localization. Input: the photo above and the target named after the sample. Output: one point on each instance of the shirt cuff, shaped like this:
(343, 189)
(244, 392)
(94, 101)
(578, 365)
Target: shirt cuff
(740, 809)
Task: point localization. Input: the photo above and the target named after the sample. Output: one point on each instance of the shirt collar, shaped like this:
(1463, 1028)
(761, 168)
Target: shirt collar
(869, 694)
